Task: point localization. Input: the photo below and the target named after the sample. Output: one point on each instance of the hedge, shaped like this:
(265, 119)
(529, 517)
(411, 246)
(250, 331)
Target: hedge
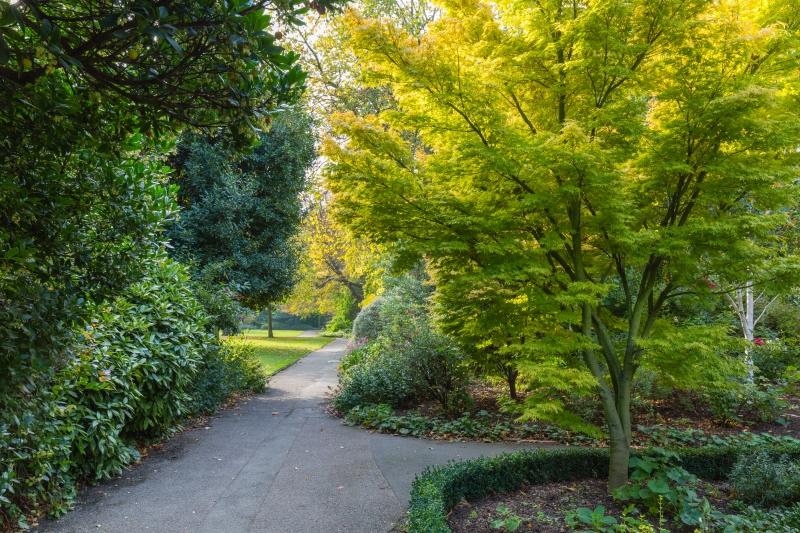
(441, 488)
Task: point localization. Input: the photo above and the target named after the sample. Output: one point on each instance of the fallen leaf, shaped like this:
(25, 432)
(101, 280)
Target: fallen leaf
(274, 412)
(340, 487)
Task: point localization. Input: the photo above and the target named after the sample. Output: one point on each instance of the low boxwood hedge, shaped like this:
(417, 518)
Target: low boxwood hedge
(441, 488)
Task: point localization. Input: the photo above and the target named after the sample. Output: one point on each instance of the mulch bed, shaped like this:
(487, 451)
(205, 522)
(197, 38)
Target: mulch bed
(543, 507)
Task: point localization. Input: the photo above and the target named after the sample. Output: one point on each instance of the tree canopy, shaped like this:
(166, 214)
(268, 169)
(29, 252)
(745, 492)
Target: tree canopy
(583, 163)
(240, 214)
(92, 92)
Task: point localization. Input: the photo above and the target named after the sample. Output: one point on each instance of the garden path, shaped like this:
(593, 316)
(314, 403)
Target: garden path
(277, 463)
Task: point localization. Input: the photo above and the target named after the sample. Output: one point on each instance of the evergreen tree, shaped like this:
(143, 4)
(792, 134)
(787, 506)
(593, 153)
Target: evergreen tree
(240, 213)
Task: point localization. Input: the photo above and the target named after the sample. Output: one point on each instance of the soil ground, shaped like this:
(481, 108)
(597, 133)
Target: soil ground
(543, 507)
(679, 411)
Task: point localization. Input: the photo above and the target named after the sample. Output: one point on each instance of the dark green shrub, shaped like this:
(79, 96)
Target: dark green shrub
(159, 326)
(438, 367)
(226, 368)
(441, 488)
(34, 451)
(766, 480)
(385, 380)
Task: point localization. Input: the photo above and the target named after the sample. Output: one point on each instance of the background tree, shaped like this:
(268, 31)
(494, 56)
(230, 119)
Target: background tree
(91, 90)
(339, 272)
(240, 215)
(569, 149)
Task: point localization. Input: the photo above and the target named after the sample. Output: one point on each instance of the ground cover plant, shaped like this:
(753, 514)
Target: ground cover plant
(282, 350)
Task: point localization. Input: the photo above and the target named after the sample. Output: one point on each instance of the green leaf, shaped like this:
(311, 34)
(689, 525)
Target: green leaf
(659, 486)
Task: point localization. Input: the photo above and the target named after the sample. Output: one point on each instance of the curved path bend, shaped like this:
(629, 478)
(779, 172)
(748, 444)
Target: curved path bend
(275, 464)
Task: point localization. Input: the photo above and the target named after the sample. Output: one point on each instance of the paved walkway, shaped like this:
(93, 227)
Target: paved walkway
(277, 464)
(310, 333)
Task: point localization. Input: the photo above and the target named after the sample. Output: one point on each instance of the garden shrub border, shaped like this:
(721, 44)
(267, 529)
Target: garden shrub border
(441, 488)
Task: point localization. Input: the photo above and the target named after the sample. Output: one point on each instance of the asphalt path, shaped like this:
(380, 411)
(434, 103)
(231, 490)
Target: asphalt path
(277, 463)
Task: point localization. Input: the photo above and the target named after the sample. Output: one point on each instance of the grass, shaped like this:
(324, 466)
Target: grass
(284, 349)
(251, 334)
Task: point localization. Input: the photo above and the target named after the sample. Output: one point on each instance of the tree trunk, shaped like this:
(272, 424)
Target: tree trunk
(620, 454)
(619, 445)
(624, 407)
(269, 322)
(511, 376)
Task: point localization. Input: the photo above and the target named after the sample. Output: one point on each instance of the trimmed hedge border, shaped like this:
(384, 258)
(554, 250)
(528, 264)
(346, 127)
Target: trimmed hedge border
(439, 489)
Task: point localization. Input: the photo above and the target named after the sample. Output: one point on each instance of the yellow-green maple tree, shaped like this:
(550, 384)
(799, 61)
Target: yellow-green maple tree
(570, 150)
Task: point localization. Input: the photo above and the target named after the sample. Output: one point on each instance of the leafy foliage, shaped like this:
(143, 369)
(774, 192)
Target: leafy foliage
(368, 324)
(150, 63)
(129, 377)
(404, 358)
(439, 489)
(384, 380)
(240, 214)
(542, 158)
(78, 225)
(226, 368)
(508, 521)
(660, 485)
(91, 90)
(766, 480)
(159, 327)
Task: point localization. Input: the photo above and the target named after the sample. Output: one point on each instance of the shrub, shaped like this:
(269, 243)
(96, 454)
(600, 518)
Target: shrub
(438, 366)
(766, 480)
(344, 312)
(659, 484)
(773, 357)
(396, 313)
(384, 380)
(34, 465)
(749, 401)
(158, 326)
(226, 368)
(369, 323)
(122, 378)
(441, 488)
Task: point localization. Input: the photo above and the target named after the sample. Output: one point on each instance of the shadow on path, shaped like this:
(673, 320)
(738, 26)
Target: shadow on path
(275, 464)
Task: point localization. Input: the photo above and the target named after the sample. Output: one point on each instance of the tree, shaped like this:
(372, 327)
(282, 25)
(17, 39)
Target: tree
(751, 292)
(334, 262)
(91, 92)
(569, 149)
(241, 213)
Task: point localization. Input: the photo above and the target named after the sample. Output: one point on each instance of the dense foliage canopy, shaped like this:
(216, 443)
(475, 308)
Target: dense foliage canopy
(581, 164)
(240, 214)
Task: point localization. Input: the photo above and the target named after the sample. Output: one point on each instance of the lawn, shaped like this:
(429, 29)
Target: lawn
(284, 349)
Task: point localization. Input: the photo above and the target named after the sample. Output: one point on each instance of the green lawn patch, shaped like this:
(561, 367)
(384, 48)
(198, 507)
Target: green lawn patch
(251, 334)
(284, 349)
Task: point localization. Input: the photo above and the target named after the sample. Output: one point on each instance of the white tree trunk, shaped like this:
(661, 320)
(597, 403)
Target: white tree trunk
(744, 304)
